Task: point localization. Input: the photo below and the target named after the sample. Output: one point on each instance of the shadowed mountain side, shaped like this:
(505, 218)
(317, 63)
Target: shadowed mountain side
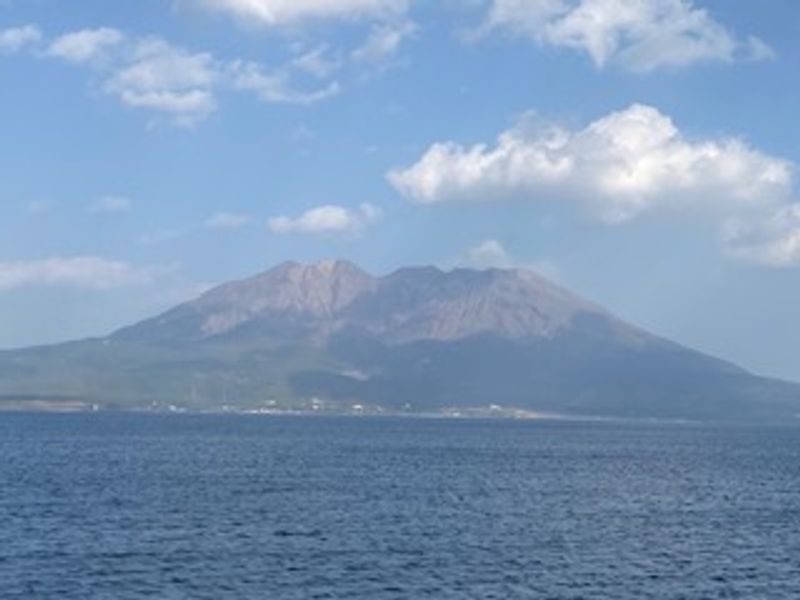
(329, 336)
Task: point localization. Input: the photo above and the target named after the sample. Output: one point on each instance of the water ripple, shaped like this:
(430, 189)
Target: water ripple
(129, 507)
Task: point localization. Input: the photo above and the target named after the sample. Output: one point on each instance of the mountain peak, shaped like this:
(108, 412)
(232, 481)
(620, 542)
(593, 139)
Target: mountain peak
(316, 290)
(329, 268)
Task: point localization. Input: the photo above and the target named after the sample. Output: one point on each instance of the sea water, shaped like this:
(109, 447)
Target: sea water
(124, 506)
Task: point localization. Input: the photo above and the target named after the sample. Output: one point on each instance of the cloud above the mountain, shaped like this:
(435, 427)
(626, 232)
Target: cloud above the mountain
(620, 166)
(485, 255)
(636, 35)
(327, 219)
(492, 254)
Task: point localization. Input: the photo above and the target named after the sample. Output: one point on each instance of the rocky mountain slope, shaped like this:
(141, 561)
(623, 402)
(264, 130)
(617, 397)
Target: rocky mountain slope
(329, 336)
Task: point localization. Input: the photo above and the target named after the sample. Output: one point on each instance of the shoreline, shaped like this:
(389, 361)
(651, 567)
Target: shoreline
(469, 414)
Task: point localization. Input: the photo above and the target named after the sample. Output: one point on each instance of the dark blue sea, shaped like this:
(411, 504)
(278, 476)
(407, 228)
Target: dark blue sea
(133, 506)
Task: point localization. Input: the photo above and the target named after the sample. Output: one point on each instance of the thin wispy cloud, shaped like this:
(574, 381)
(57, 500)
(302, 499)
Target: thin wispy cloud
(88, 272)
(38, 207)
(280, 13)
(228, 221)
(15, 39)
(388, 22)
(86, 45)
(111, 205)
(162, 236)
(772, 240)
(384, 40)
(275, 86)
(318, 61)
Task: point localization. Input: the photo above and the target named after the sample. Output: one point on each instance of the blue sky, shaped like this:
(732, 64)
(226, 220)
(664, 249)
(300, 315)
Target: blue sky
(641, 152)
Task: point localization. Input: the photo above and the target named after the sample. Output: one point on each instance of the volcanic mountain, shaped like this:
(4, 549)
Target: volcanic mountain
(330, 337)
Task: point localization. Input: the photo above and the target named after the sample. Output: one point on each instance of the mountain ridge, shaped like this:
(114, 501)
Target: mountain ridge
(459, 303)
(330, 336)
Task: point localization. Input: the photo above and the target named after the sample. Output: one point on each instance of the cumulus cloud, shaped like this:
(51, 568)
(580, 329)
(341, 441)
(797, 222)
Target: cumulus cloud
(17, 38)
(619, 166)
(111, 205)
(166, 78)
(326, 219)
(90, 272)
(182, 85)
(226, 220)
(639, 35)
(147, 73)
(85, 45)
(275, 13)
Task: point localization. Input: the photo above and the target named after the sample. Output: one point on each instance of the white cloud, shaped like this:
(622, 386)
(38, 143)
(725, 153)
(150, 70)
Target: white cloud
(276, 86)
(272, 13)
(773, 241)
(316, 62)
(758, 50)
(621, 165)
(226, 220)
(491, 254)
(111, 205)
(487, 254)
(86, 45)
(169, 79)
(152, 74)
(384, 40)
(17, 38)
(326, 219)
(147, 73)
(89, 272)
(639, 35)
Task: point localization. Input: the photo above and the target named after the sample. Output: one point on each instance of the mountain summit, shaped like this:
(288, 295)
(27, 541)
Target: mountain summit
(329, 336)
(409, 305)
